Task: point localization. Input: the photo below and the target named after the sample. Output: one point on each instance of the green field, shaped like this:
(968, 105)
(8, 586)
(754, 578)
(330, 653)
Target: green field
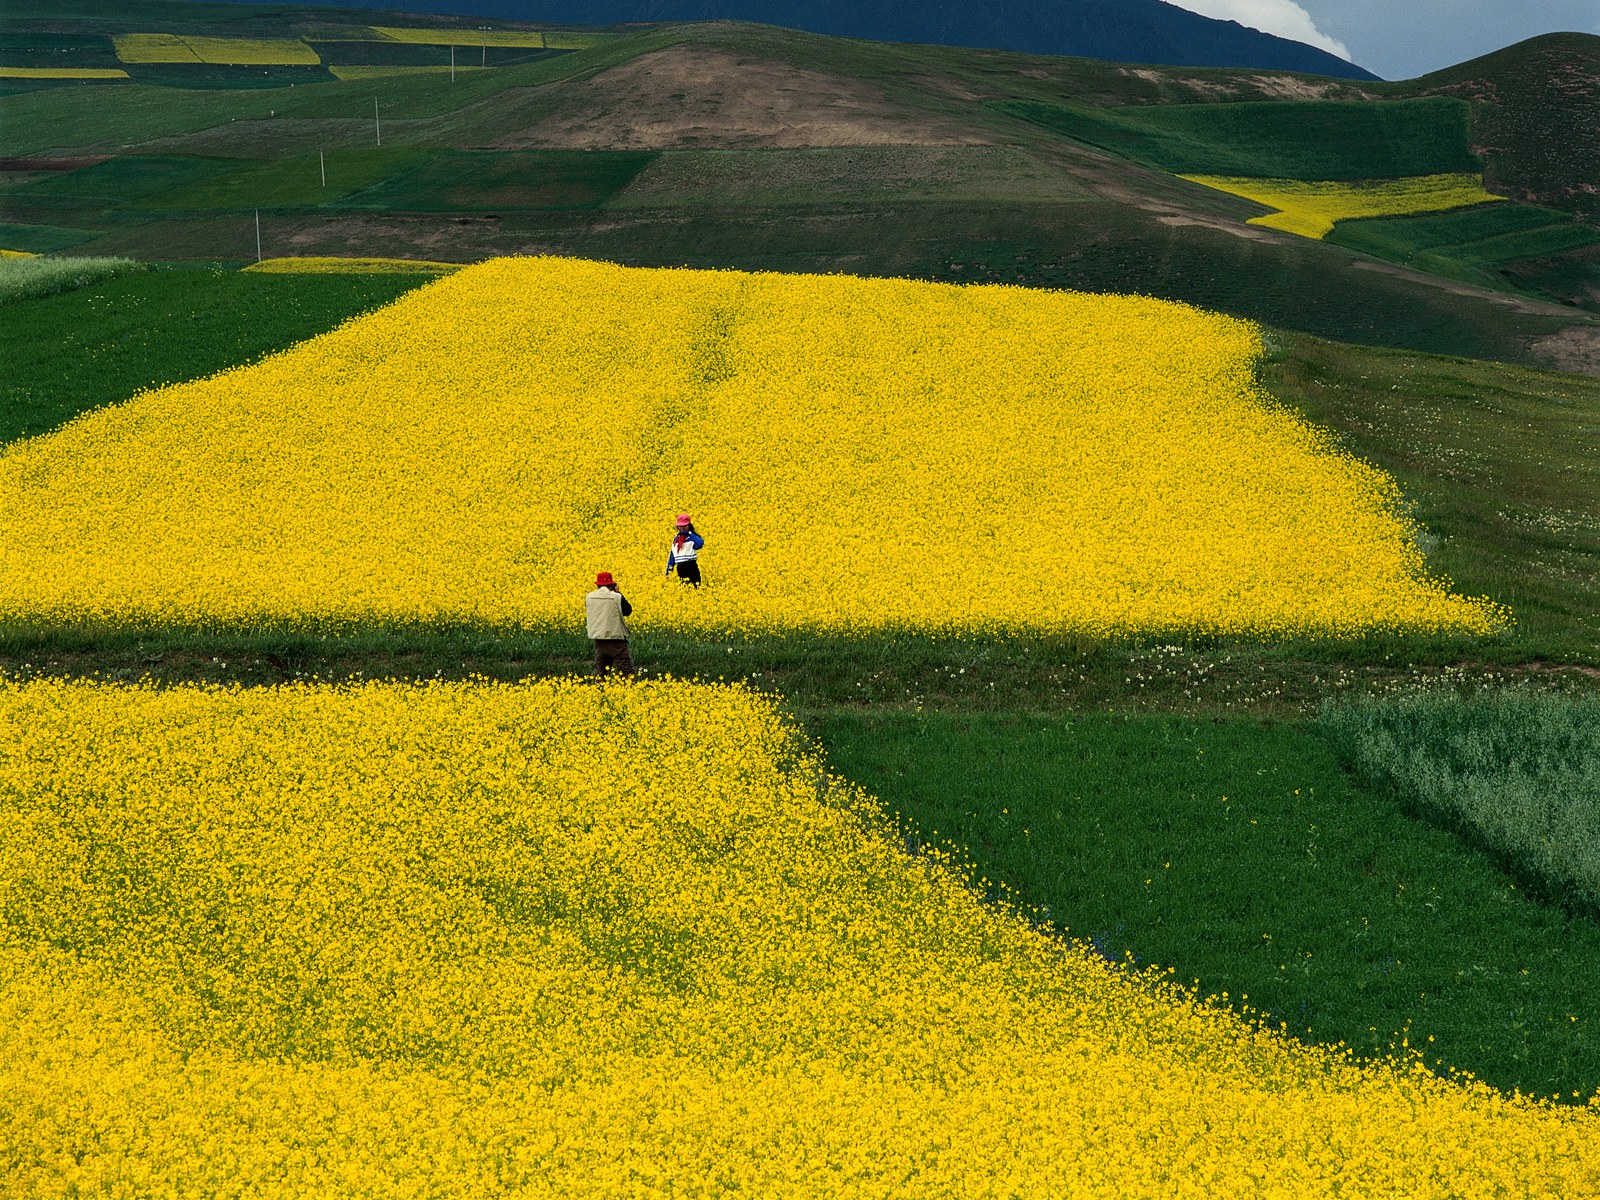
(1513, 772)
(468, 181)
(297, 181)
(127, 178)
(1313, 140)
(1240, 855)
(1469, 243)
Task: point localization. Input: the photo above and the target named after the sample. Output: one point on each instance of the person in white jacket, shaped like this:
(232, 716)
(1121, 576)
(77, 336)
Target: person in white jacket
(608, 610)
(684, 552)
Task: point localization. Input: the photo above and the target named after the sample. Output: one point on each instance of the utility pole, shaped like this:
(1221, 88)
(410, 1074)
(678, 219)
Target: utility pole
(258, 235)
(484, 29)
(323, 163)
(377, 125)
(453, 62)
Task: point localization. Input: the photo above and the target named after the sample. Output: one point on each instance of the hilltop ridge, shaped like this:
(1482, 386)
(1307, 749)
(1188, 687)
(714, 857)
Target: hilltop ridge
(1138, 31)
(1536, 118)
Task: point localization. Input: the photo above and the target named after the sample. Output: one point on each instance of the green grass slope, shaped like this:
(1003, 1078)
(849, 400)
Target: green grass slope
(1240, 856)
(1286, 139)
(1534, 121)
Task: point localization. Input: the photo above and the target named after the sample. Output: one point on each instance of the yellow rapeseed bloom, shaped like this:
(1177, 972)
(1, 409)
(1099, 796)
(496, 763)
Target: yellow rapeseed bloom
(522, 39)
(351, 266)
(61, 73)
(553, 939)
(227, 51)
(1310, 209)
(861, 455)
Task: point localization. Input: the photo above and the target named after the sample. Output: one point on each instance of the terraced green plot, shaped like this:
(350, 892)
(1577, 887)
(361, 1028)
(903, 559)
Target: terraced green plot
(485, 180)
(41, 239)
(1476, 236)
(289, 181)
(129, 177)
(1310, 140)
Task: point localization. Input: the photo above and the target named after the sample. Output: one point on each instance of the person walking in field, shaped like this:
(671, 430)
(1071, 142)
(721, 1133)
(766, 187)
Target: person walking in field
(684, 552)
(608, 611)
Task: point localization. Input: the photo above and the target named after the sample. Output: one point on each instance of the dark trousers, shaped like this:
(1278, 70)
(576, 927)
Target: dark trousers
(689, 572)
(612, 652)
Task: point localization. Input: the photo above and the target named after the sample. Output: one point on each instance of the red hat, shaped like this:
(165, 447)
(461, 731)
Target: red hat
(683, 520)
(604, 579)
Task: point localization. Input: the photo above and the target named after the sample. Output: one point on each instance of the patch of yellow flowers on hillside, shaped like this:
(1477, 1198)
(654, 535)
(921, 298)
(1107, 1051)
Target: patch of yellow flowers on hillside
(184, 48)
(861, 455)
(319, 265)
(561, 940)
(1311, 208)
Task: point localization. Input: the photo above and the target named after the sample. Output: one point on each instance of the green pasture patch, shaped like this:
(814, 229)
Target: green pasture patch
(1309, 140)
(1514, 772)
(849, 174)
(1459, 242)
(1240, 856)
(242, 77)
(129, 177)
(67, 354)
(1500, 464)
(1397, 236)
(1548, 242)
(41, 239)
(479, 180)
(290, 181)
(20, 48)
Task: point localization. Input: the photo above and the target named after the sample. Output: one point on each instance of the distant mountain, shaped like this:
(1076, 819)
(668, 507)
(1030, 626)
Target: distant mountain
(1139, 31)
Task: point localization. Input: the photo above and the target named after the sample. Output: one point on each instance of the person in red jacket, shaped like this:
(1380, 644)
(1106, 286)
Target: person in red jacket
(684, 552)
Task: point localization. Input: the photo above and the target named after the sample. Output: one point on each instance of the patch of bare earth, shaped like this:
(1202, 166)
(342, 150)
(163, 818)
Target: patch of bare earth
(1576, 350)
(1251, 233)
(1273, 86)
(696, 97)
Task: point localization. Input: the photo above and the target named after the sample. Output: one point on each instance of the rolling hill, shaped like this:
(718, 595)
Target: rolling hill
(721, 144)
(1140, 31)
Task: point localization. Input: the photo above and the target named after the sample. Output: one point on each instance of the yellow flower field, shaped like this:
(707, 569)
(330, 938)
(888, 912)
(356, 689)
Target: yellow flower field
(350, 266)
(555, 939)
(521, 39)
(61, 73)
(1310, 209)
(224, 51)
(861, 455)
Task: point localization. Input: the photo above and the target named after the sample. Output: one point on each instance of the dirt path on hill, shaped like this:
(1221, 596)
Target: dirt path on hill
(695, 96)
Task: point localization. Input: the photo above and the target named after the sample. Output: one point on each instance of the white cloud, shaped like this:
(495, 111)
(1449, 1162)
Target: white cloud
(1282, 17)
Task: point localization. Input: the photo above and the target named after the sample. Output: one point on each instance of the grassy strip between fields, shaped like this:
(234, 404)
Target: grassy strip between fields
(1515, 773)
(1240, 855)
